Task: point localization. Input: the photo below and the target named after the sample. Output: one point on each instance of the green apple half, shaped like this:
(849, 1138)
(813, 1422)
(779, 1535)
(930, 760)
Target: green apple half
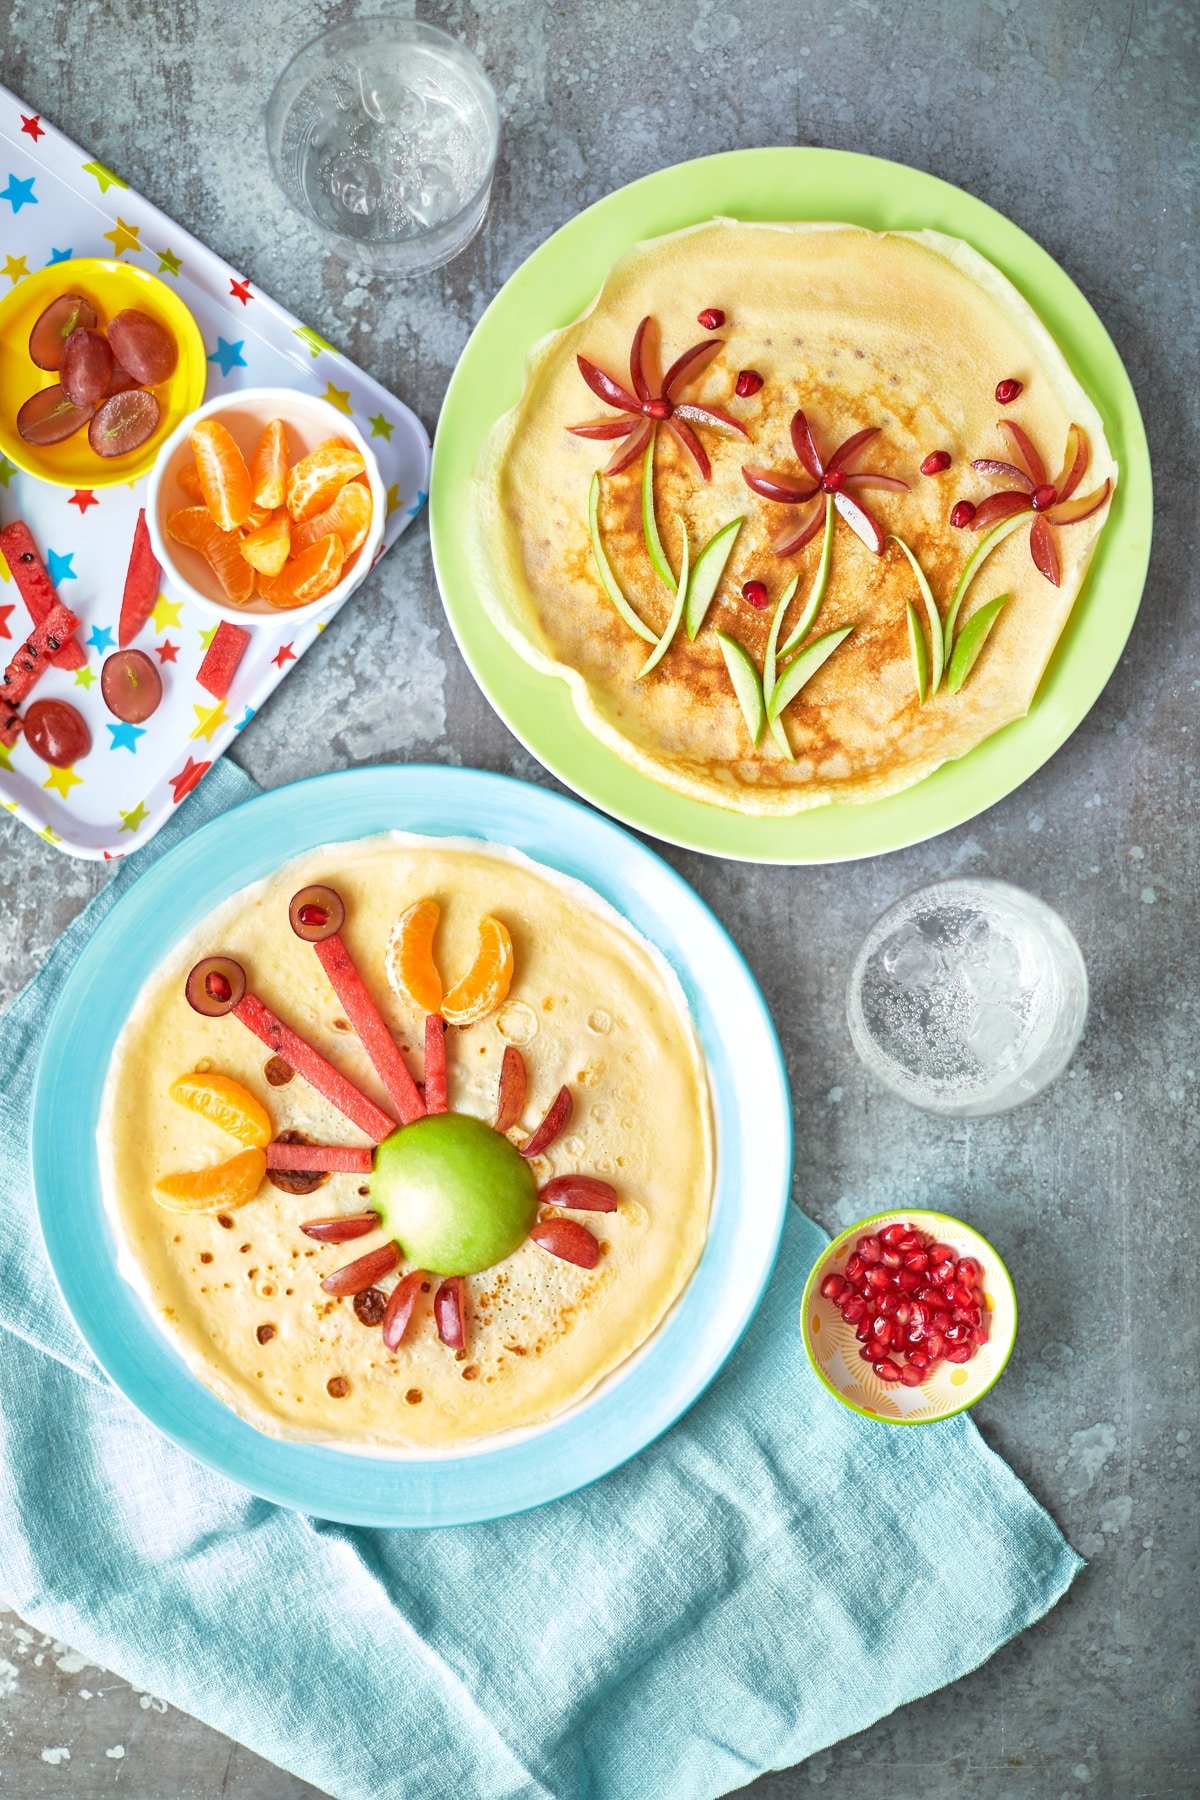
(453, 1193)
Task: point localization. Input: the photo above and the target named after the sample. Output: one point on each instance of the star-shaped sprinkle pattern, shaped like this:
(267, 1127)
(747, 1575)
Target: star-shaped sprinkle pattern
(58, 564)
(59, 256)
(316, 343)
(168, 262)
(166, 612)
(209, 719)
(123, 237)
(125, 737)
(6, 763)
(187, 778)
(207, 636)
(239, 290)
(19, 193)
(85, 677)
(6, 613)
(61, 781)
(245, 719)
(104, 176)
(339, 397)
(132, 821)
(284, 654)
(418, 503)
(33, 127)
(113, 855)
(7, 471)
(229, 356)
(167, 651)
(393, 499)
(100, 639)
(83, 498)
(16, 268)
(51, 836)
(381, 427)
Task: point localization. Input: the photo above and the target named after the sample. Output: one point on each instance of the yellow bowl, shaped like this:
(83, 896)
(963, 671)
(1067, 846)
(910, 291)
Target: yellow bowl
(111, 287)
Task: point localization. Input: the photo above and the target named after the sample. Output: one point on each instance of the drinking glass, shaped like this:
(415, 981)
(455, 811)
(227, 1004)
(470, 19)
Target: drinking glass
(383, 133)
(968, 997)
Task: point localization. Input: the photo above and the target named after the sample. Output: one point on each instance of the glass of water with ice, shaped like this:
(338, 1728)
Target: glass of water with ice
(968, 997)
(384, 133)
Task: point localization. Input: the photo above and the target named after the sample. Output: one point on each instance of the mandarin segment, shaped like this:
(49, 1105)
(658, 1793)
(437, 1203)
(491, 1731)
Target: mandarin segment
(411, 968)
(349, 516)
(308, 576)
(227, 1104)
(222, 1188)
(314, 481)
(189, 481)
(222, 550)
(485, 985)
(268, 547)
(224, 477)
(269, 466)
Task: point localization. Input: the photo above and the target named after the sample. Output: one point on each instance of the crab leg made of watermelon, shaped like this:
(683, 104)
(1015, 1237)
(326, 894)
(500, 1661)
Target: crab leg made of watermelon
(370, 1027)
(436, 1097)
(307, 1060)
(320, 1159)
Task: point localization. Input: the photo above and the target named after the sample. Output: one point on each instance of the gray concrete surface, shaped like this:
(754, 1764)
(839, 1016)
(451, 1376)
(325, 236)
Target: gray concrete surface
(1080, 122)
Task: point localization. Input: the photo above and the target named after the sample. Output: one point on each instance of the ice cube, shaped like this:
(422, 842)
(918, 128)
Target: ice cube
(991, 963)
(389, 100)
(994, 1034)
(910, 959)
(436, 196)
(354, 183)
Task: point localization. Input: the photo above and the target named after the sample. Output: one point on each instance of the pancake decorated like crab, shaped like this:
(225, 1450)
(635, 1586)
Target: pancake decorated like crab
(769, 562)
(492, 1238)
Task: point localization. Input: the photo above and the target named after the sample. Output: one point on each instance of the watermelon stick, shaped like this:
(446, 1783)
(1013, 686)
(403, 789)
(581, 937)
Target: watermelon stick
(220, 663)
(307, 1060)
(320, 1159)
(436, 1100)
(141, 584)
(40, 647)
(35, 586)
(372, 1031)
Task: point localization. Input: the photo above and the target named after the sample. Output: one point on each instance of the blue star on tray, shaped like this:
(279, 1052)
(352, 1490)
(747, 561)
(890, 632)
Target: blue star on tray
(125, 737)
(19, 193)
(245, 719)
(99, 637)
(59, 256)
(229, 355)
(417, 504)
(60, 566)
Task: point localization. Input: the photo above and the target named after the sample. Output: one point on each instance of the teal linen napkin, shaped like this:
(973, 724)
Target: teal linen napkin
(744, 1593)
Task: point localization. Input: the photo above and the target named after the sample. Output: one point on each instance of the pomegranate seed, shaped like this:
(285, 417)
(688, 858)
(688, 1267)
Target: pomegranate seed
(918, 1359)
(853, 1309)
(969, 1271)
(882, 1330)
(868, 1353)
(892, 1234)
(908, 1281)
(834, 481)
(748, 382)
(831, 1287)
(978, 1336)
(917, 1261)
(911, 1377)
(904, 1312)
(935, 462)
(1006, 390)
(879, 1278)
(313, 915)
(217, 986)
(854, 1267)
(888, 1303)
(756, 593)
(961, 514)
(870, 1249)
(887, 1371)
(657, 409)
(712, 319)
(956, 1332)
(961, 1353)
(943, 1253)
(918, 1313)
(910, 1241)
(1043, 496)
(931, 1296)
(891, 1259)
(943, 1272)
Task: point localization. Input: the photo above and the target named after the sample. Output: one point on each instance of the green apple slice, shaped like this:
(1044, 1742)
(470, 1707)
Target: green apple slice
(995, 537)
(743, 672)
(770, 664)
(920, 655)
(808, 617)
(936, 661)
(667, 638)
(804, 668)
(971, 639)
(658, 555)
(706, 576)
(607, 579)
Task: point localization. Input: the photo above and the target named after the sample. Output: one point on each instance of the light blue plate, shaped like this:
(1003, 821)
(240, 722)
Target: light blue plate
(750, 1099)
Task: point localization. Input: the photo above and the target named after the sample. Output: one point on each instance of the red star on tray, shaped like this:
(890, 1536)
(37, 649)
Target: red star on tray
(113, 855)
(4, 612)
(33, 127)
(240, 290)
(166, 651)
(284, 654)
(187, 778)
(83, 498)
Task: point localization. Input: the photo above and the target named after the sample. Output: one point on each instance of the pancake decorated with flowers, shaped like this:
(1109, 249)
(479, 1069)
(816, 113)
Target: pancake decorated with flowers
(383, 1145)
(797, 511)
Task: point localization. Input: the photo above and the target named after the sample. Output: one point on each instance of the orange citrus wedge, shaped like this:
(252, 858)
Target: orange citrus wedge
(485, 985)
(222, 550)
(224, 477)
(189, 481)
(409, 957)
(269, 466)
(222, 1188)
(267, 548)
(226, 1103)
(349, 516)
(316, 478)
(307, 576)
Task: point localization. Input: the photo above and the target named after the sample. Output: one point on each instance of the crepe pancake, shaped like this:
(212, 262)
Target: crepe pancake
(907, 332)
(592, 1006)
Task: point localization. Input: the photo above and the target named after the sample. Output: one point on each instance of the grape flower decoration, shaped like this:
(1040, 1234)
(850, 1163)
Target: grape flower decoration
(832, 481)
(1048, 504)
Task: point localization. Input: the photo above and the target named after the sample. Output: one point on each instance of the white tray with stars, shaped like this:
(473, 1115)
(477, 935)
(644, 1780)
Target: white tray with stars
(56, 203)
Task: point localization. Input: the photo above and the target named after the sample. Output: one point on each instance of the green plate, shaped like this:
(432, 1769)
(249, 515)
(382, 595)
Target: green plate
(554, 286)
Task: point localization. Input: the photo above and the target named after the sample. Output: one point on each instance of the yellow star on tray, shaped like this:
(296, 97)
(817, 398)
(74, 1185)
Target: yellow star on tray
(123, 237)
(62, 780)
(166, 612)
(15, 268)
(206, 637)
(5, 757)
(316, 343)
(168, 262)
(85, 677)
(393, 499)
(133, 821)
(50, 836)
(209, 720)
(339, 397)
(104, 176)
(10, 805)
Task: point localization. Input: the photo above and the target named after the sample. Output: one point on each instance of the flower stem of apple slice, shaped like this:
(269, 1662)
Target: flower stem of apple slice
(971, 639)
(654, 546)
(935, 661)
(681, 592)
(798, 673)
(920, 655)
(770, 665)
(706, 576)
(995, 537)
(743, 672)
(808, 617)
(607, 579)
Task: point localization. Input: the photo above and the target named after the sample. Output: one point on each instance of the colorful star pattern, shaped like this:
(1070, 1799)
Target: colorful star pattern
(166, 612)
(100, 638)
(5, 613)
(339, 397)
(284, 654)
(6, 763)
(417, 504)
(59, 256)
(51, 836)
(125, 737)
(83, 498)
(167, 651)
(393, 499)
(209, 720)
(33, 127)
(229, 356)
(381, 427)
(58, 565)
(16, 268)
(19, 193)
(104, 176)
(62, 781)
(168, 262)
(187, 778)
(7, 471)
(132, 821)
(206, 637)
(316, 343)
(123, 237)
(85, 677)
(240, 290)
(245, 719)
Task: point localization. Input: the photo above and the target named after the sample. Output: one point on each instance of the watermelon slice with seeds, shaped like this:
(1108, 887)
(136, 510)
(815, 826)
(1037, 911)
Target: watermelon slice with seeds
(35, 587)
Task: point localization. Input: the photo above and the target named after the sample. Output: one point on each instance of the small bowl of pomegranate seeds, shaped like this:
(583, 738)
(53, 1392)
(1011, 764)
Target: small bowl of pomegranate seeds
(909, 1317)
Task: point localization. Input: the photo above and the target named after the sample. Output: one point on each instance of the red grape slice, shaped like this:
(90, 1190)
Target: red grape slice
(131, 686)
(53, 327)
(316, 913)
(124, 423)
(120, 380)
(56, 732)
(143, 346)
(87, 366)
(510, 1102)
(49, 416)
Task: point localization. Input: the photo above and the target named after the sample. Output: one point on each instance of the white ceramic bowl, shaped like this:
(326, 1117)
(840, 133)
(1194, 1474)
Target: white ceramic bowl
(308, 422)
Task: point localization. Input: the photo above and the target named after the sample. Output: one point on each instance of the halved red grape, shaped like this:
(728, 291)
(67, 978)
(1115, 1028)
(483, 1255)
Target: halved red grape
(124, 422)
(142, 345)
(48, 417)
(214, 986)
(316, 913)
(57, 732)
(131, 685)
(120, 380)
(87, 365)
(52, 328)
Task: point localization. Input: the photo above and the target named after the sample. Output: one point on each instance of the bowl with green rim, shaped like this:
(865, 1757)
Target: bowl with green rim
(833, 1349)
